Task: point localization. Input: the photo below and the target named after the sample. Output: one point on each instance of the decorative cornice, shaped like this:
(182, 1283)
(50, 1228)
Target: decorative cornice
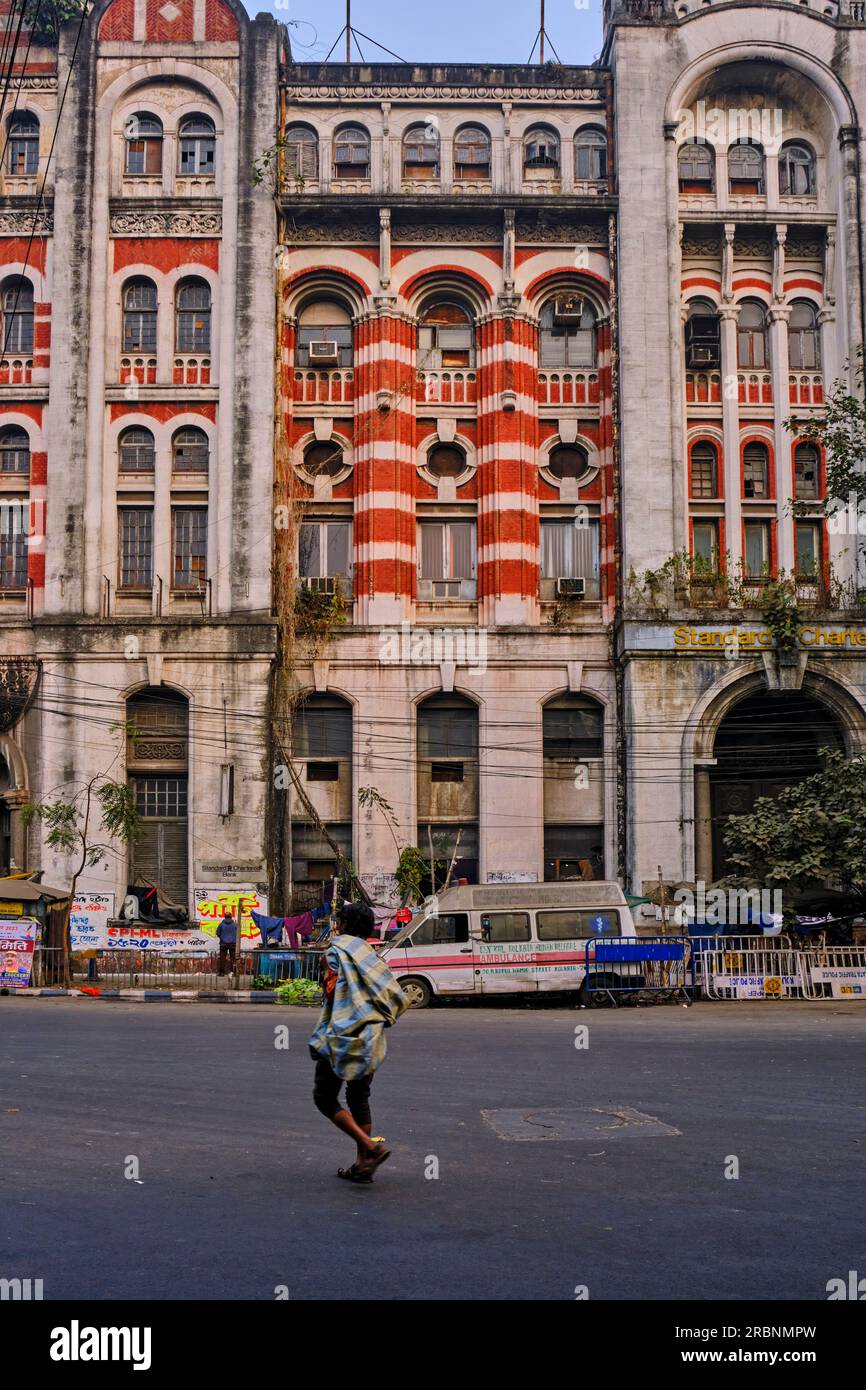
(369, 92)
(142, 223)
(26, 221)
(37, 82)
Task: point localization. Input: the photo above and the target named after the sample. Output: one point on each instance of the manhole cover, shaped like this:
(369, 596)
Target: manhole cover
(597, 1122)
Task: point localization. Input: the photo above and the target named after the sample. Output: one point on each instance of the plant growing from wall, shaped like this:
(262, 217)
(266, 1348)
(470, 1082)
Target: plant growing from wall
(43, 18)
(777, 604)
(841, 432)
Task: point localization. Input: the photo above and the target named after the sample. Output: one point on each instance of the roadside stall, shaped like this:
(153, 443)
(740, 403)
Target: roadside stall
(31, 924)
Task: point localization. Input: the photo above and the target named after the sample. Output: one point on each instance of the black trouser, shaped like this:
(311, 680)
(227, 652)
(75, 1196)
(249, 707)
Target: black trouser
(326, 1093)
(226, 949)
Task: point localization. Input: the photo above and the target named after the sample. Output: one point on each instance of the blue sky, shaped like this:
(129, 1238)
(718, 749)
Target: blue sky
(458, 31)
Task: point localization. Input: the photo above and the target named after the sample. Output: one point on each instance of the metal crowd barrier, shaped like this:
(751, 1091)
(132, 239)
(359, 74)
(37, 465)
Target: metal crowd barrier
(188, 970)
(834, 972)
(757, 972)
(644, 965)
(704, 946)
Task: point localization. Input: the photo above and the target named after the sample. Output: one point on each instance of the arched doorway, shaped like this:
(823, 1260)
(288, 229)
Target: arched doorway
(766, 742)
(447, 747)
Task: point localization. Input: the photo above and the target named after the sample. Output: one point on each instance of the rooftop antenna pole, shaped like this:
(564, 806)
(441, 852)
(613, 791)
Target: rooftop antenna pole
(348, 31)
(541, 36)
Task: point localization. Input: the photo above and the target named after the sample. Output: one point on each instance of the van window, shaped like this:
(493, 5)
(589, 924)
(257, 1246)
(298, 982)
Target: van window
(572, 925)
(449, 927)
(505, 926)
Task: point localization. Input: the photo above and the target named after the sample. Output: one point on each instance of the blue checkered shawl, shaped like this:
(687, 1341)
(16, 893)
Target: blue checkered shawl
(366, 1000)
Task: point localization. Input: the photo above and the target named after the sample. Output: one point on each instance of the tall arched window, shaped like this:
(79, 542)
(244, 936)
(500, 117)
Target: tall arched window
(23, 137)
(696, 167)
(705, 469)
(157, 767)
(796, 170)
(190, 450)
(192, 316)
(446, 336)
(322, 750)
(301, 151)
(756, 470)
(746, 168)
(572, 744)
(352, 153)
(421, 152)
(752, 335)
(541, 150)
(14, 451)
(139, 316)
(567, 332)
(447, 785)
(197, 145)
(472, 153)
(804, 337)
(136, 450)
(590, 154)
(324, 335)
(807, 472)
(17, 296)
(702, 335)
(143, 134)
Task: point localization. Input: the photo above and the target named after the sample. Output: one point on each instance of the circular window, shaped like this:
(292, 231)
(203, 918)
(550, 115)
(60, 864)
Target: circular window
(446, 461)
(567, 461)
(323, 460)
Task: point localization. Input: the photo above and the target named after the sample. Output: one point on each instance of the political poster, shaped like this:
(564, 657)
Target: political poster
(210, 905)
(88, 921)
(17, 940)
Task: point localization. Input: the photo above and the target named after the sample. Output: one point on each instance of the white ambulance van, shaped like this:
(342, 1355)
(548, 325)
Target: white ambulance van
(507, 938)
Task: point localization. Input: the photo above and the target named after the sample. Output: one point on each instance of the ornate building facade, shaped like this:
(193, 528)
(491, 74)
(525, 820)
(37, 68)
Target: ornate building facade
(456, 395)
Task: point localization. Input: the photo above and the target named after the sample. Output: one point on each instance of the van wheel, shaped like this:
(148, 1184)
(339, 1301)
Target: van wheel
(418, 992)
(596, 998)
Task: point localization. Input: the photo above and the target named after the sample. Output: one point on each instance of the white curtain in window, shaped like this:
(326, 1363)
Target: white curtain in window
(432, 552)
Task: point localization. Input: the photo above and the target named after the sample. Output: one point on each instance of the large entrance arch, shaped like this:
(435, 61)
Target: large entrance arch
(766, 742)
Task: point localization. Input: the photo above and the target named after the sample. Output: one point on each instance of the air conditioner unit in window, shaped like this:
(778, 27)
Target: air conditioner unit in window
(702, 357)
(324, 354)
(703, 341)
(568, 308)
(446, 588)
(570, 588)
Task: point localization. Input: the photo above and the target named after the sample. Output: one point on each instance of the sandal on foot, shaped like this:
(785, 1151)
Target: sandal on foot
(353, 1175)
(376, 1156)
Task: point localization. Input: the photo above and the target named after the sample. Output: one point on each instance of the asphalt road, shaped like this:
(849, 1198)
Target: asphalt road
(237, 1195)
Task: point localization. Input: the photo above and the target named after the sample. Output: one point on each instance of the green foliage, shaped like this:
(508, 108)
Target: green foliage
(809, 835)
(316, 613)
(68, 822)
(412, 869)
(299, 992)
(777, 603)
(43, 18)
(841, 430)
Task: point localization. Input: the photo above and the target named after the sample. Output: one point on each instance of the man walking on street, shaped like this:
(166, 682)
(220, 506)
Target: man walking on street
(227, 935)
(361, 1000)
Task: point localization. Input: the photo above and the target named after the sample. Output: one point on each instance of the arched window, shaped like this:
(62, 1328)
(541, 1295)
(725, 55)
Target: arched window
(136, 450)
(322, 728)
(14, 451)
(804, 337)
(197, 145)
(324, 336)
(567, 335)
(541, 150)
(752, 335)
(567, 461)
(705, 469)
(590, 154)
(702, 335)
(472, 153)
(23, 137)
(446, 461)
(143, 134)
(446, 337)
(192, 316)
(190, 450)
(807, 472)
(696, 167)
(324, 459)
(352, 153)
(756, 470)
(139, 316)
(746, 168)
(572, 728)
(17, 315)
(301, 153)
(796, 170)
(421, 152)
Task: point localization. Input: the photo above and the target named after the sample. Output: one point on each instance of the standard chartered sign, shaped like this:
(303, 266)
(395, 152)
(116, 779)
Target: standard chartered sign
(740, 639)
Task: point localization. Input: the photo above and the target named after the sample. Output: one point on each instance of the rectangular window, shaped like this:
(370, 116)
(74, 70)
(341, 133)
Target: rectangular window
(446, 772)
(135, 535)
(160, 796)
(190, 548)
(808, 549)
(570, 551)
(704, 471)
(705, 543)
(449, 929)
(323, 772)
(446, 559)
(325, 549)
(144, 157)
(13, 543)
(574, 925)
(757, 558)
(505, 926)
